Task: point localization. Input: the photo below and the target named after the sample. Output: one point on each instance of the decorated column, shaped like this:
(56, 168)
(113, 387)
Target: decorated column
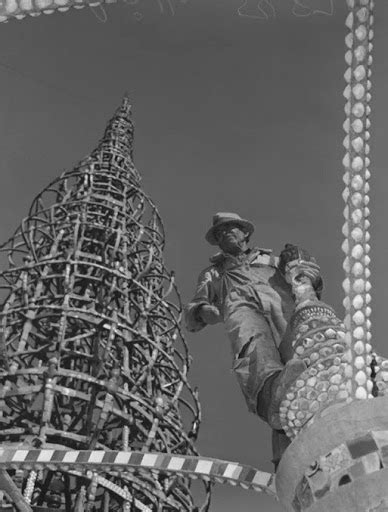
(356, 194)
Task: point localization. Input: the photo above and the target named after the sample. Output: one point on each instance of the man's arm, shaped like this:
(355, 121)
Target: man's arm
(304, 264)
(202, 310)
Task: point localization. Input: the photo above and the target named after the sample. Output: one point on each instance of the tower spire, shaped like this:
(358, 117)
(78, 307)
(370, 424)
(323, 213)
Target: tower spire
(115, 149)
(91, 325)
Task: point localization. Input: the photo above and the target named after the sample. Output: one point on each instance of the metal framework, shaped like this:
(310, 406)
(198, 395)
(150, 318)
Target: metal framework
(92, 350)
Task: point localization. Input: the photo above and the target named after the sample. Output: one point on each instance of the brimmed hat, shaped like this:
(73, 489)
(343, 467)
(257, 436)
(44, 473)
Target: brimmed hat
(221, 218)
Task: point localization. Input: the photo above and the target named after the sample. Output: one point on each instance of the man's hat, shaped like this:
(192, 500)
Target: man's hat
(221, 218)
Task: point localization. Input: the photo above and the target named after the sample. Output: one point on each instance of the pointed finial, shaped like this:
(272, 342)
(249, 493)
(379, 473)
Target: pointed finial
(116, 146)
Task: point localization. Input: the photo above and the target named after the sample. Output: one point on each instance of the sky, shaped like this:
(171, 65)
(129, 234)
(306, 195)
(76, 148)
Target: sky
(237, 108)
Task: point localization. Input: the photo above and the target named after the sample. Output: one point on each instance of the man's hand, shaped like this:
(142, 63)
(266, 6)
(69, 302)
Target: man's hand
(209, 314)
(309, 269)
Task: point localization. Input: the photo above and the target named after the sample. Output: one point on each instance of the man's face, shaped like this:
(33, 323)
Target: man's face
(230, 237)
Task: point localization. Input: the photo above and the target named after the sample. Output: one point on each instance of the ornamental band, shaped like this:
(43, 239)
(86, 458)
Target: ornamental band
(246, 289)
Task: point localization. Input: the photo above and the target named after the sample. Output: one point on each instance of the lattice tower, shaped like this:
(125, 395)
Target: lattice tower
(92, 351)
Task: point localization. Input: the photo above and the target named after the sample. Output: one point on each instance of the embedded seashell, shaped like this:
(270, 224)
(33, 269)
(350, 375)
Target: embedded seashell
(26, 5)
(361, 393)
(345, 243)
(346, 142)
(362, 14)
(359, 362)
(349, 44)
(358, 333)
(360, 53)
(346, 125)
(361, 32)
(350, 20)
(357, 199)
(358, 126)
(358, 91)
(357, 234)
(358, 109)
(346, 285)
(357, 216)
(357, 182)
(357, 251)
(358, 144)
(41, 4)
(11, 6)
(360, 378)
(360, 72)
(346, 159)
(348, 59)
(358, 301)
(357, 269)
(346, 264)
(347, 93)
(358, 286)
(358, 318)
(348, 371)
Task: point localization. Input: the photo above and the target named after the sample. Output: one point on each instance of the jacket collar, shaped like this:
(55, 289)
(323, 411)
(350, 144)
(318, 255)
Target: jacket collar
(251, 253)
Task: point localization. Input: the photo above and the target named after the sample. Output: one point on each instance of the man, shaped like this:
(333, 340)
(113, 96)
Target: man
(245, 288)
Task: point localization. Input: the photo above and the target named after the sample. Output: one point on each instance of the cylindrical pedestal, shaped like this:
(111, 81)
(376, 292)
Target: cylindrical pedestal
(339, 463)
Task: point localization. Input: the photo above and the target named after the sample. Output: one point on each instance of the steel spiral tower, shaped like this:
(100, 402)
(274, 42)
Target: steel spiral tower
(92, 352)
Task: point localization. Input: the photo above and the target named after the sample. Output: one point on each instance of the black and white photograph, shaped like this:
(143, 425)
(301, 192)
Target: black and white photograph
(193, 255)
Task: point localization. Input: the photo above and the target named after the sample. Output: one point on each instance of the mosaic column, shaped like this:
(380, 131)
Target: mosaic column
(356, 193)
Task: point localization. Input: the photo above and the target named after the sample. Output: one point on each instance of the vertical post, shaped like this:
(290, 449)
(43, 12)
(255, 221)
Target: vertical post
(356, 194)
